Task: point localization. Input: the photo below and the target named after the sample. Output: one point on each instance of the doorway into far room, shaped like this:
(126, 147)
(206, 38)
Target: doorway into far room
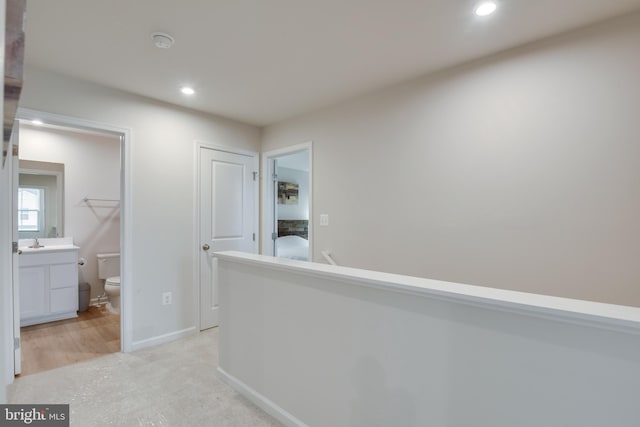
(68, 193)
(287, 214)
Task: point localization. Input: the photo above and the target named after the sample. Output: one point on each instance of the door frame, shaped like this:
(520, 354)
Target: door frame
(15, 261)
(268, 196)
(9, 277)
(126, 224)
(197, 147)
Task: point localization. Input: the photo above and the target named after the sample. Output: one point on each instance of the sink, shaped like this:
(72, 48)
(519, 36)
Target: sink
(55, 244)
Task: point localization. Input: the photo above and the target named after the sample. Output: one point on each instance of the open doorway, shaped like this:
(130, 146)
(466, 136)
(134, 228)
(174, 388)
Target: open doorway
(287, 195)
(63, 311)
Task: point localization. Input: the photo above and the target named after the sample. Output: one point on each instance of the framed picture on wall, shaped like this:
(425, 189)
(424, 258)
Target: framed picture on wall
(287, 193)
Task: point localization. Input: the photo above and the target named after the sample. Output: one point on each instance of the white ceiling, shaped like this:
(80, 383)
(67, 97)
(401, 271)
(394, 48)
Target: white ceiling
(261, 61)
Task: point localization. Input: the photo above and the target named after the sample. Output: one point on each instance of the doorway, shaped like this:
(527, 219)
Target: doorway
(288, 195)
(90, 210)
(227, 182)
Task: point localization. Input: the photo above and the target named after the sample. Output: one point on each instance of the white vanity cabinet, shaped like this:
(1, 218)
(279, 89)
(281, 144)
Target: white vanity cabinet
(48, 284)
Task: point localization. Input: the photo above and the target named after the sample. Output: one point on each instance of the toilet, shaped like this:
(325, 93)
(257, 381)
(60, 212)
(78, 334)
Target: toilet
(109, 271)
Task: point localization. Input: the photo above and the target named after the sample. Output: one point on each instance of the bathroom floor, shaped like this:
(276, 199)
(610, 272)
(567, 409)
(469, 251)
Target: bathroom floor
(93, 333)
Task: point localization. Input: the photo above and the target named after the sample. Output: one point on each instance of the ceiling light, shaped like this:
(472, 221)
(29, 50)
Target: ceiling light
(486, 8)
(162, 40)
(36, 122)
(187, 90)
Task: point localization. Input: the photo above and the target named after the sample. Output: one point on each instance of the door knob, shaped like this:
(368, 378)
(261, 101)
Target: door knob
(205, 247)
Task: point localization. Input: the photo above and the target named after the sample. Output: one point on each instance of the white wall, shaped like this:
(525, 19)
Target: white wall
(92, 169)
(162, 187)
(301, 209)
(520, 171)
(355, 348)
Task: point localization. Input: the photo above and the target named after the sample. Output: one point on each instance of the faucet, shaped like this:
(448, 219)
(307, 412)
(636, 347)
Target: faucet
(36, 245)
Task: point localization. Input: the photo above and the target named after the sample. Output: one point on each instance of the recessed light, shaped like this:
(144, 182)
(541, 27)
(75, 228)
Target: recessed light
(486, 8)
(187, 90)
(36, 122)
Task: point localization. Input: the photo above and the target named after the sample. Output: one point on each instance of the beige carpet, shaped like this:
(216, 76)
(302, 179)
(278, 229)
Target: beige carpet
(173, 384)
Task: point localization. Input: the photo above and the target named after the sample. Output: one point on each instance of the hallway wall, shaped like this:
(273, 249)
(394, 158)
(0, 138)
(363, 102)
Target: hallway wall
(518, 171)
(162, 189)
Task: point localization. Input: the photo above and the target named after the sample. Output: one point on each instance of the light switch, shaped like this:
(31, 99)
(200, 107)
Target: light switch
(324, 219)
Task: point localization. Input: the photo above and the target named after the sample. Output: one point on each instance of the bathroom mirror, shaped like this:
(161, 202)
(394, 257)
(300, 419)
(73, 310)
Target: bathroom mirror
(40, 199)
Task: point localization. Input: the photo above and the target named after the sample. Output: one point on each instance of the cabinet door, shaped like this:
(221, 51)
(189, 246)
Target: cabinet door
(32, 291)
(63, 276)
(63, 300)
(63, 285)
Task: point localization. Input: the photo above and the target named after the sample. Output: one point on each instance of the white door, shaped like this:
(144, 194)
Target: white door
(17, 361)
(274, 203)
(228, 214)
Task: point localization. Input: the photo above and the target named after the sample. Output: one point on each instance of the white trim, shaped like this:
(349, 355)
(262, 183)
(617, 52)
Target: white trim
(260, 401)
(49, 318)
(6, 256)
(226, 148)
(161, 339)
(69, 121)
(126, 225)
(267, 210)
(195, 263)
(613, 317)
(198, 145)
(265, 192)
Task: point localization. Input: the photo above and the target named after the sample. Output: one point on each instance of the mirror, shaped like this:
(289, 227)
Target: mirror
(40, 199)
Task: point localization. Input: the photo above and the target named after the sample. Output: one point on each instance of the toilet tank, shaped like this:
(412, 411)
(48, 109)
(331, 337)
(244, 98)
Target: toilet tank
(108, 265)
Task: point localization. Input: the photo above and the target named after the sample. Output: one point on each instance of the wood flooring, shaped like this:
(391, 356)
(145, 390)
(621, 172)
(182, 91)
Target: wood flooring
(93, 333)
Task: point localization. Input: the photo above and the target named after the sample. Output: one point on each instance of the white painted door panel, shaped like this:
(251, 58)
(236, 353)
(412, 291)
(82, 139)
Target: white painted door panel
(227, 218)
(33, 287)
(227, 189)
(63, 300)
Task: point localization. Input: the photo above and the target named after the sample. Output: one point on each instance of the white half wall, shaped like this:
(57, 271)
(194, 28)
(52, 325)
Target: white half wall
(519, 171)
(320, 345)
(162, 189)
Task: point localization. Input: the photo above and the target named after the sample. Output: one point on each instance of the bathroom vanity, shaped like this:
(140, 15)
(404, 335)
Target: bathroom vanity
(48, 280)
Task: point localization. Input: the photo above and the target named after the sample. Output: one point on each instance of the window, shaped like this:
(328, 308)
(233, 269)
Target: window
(30, 209)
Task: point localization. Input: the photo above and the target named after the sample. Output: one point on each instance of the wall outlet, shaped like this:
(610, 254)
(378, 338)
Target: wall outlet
(166, 298)
(324, 220)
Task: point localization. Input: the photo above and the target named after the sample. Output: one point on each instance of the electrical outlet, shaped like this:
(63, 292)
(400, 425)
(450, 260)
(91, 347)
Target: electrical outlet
(324, 220)
(166, 298)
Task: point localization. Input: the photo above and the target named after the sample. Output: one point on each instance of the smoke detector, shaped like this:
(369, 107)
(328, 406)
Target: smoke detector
(162, 40)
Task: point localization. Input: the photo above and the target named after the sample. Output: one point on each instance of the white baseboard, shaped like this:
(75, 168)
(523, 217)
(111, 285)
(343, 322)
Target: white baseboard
(261, 401)
(49, 318)
(161, 339)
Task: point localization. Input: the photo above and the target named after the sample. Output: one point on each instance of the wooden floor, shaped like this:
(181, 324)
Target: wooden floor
(93, 333)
